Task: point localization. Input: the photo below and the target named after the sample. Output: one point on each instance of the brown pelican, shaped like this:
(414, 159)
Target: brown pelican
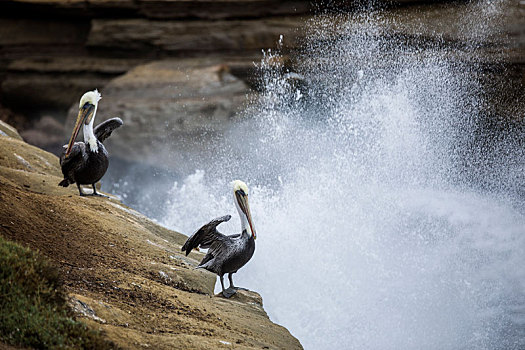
(226, 254)
(84, 163)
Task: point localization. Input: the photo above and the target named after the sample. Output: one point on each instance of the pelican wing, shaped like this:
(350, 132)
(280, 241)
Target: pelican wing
(72, 162)
(77, 152)
(103, 130)
(206, 235)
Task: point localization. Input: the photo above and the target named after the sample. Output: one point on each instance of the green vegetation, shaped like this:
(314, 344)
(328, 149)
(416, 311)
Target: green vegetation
(33, 308)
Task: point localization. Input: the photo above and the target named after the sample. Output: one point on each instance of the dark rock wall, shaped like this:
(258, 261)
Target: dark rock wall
(52, 51)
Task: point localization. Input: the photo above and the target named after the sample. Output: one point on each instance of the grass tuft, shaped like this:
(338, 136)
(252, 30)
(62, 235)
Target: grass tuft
(33, 307)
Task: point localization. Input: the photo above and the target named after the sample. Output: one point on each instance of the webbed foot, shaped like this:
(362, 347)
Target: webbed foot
(228, 293)
(96, 194)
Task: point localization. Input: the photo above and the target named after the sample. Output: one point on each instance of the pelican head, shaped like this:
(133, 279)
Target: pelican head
(240, 193)
(86, 115)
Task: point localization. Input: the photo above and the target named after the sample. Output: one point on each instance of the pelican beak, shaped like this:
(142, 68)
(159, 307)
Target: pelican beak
(249, 216)
(245, 207)
(85, 113)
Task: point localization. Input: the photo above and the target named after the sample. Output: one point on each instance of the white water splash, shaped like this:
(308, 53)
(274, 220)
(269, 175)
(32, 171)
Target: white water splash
(377, 227)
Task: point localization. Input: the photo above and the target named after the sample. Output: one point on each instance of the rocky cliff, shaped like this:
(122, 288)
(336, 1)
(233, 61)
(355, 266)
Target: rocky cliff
(164, 54)
(124, 274)
(53, 51)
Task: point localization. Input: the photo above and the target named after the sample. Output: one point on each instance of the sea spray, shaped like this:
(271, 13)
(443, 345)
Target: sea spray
(380, 223)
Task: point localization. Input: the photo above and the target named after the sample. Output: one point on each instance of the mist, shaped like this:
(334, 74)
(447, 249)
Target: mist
(389, 211)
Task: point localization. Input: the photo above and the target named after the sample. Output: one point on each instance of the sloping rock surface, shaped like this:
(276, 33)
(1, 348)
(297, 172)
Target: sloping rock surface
(124, 273)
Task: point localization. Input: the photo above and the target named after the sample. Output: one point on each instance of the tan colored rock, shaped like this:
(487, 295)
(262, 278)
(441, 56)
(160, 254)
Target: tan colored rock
(165, 105)
(111, 258)
(9, 131)
(48, 61)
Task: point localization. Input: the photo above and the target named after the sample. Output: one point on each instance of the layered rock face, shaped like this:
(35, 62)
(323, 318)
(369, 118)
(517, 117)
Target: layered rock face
(53, 51)
(174, 70)
(124, 274)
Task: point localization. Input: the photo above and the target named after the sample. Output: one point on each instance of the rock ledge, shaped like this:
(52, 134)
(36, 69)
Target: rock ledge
(124, 274)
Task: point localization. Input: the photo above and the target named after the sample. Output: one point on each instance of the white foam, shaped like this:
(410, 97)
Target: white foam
(372, 233)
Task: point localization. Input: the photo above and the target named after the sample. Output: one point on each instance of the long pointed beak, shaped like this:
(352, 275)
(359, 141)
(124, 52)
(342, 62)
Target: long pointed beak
(246, 208)
(84, 114)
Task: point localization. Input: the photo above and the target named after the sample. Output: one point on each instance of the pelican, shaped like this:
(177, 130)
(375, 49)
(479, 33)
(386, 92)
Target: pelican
(84, 163)
(226, 254)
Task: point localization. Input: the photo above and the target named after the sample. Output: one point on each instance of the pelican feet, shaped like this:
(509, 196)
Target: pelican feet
(228, 293)
(96, 194)
(231, 291)
(93, 194)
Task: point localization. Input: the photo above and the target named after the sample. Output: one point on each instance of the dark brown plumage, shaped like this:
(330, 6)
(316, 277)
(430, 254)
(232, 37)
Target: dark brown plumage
(84, 166)
(226, 254)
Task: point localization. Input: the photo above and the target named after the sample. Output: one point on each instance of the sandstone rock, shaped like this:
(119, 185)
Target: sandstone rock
(194, 36)
(109, 257)
(9, 131)
(49, 83)
(245, 296)
(32, 32)
(45, 63)
(221, 9)
(165, 106)
(166, 9)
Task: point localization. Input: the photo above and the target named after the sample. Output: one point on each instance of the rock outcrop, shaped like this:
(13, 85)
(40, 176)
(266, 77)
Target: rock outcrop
(125, 275)
(51, 51)
(166, 106)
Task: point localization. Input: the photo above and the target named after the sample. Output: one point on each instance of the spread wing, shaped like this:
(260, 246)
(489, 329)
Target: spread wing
(103, 130)
(206, 235)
